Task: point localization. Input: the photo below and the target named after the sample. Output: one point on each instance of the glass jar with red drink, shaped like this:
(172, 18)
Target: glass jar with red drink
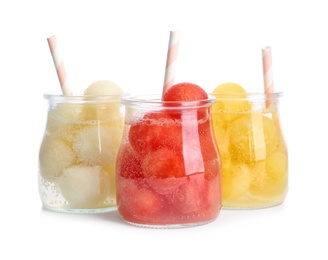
(168, 166)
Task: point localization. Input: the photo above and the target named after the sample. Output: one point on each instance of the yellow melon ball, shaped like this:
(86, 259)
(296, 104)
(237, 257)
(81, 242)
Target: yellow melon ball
(84, 187)
(269, 177)
(252, 137)
(277, 166)
(236, 180)
(98, 145)
(229, 88)
(54, 156)
(230, 101)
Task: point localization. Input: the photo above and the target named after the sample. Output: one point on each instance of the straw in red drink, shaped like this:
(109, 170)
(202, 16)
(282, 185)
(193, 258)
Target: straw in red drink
(267, 71)
(171, 60)
(59, 65)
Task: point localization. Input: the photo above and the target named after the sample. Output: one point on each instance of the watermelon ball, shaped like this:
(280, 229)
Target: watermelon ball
(163, 163)
(129, 163)
(184, 92)
(137, 202)
(189, 198)
(155, 130)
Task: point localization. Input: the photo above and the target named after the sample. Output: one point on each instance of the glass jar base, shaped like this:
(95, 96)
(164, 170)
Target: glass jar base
(81, 211)
(250, 202)
(250, 207)
(169, 226)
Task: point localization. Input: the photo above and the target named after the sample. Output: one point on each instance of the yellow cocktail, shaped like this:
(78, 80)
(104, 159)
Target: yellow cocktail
(252, 147)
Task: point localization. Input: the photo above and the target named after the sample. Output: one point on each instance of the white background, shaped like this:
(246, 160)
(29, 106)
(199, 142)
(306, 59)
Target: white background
(126, 41)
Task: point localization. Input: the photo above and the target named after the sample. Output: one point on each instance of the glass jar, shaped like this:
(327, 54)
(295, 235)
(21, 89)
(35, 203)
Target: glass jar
(168, 166)
(253, 151)
(77, 158)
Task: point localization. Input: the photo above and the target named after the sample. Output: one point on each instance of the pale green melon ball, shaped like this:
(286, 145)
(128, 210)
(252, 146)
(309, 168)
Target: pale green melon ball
(54, 156)
(84, 187)
(102, 88)
(98, 145)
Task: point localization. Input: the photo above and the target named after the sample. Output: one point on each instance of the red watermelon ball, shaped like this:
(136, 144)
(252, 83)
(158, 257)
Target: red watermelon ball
(185, 92)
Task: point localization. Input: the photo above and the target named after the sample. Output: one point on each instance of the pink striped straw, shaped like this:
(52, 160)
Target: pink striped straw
(171, 60)
(59, 65)
(267, 71)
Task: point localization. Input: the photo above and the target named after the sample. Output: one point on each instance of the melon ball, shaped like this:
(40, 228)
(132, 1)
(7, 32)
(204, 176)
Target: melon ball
(63, 114)
(230, 102)
(84, 187)
(185, 91)
(252, 137)
(103, 88)
(229, 88)
(98, 145)
(104, 111)
(269, 177)
(54, 156)
(236, 180)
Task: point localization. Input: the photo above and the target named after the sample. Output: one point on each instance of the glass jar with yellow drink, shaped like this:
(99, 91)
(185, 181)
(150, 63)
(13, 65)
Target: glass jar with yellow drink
(253, 151)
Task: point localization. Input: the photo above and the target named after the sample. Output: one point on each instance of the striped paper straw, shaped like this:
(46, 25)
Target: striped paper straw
(171, 60)
(267, 71)
(59, 65)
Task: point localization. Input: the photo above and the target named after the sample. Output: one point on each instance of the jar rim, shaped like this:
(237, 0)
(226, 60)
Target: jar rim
(155, 100)
(250, 96)
(80, 98)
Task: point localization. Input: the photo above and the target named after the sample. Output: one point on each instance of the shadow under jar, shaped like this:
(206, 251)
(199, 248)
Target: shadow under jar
(168, 166)
(77, 157)
(253, 151)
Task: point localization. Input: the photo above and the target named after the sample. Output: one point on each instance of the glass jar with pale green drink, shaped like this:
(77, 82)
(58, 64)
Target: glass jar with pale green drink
(77, 157)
